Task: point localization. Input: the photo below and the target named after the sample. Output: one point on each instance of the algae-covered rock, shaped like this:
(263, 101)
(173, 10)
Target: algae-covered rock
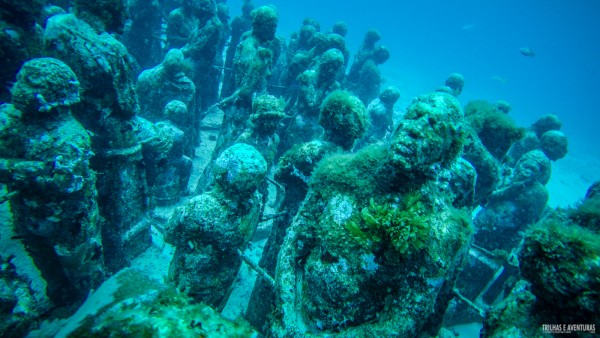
(560, 259)
(587, 213)
(132, 304)
(514, 316)
(19, 307)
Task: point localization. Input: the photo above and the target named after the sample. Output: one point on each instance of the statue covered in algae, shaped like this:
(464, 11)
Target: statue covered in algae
(376, 246)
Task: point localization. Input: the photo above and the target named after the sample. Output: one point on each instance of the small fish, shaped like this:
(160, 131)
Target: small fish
(526, 51)
(499, 79)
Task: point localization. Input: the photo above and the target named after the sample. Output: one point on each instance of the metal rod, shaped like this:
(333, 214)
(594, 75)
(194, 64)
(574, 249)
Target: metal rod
(258, 269)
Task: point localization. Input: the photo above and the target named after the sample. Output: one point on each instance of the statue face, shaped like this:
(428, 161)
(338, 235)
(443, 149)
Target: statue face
(201, 8)
(429, 131)
(266, 30)
(533, 166)
(264, 23)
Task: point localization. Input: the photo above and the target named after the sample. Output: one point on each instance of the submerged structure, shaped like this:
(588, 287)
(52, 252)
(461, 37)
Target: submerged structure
(167, 171)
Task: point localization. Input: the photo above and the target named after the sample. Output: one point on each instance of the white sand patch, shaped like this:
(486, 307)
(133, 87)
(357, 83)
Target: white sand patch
(571, 178)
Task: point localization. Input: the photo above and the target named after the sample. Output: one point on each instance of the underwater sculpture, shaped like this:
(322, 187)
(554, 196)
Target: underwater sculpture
(365, 51)
(22, 304)
(166, 167)
(516, 204)
(496, 130)
(560, 275)
(239, 25)
(46, 165)
(177, 113)
(20, 38)
(513, 196)
(253, 60)
(203, 50)
(341, 28)
(486, 165)
(299, 57)
(195, 29)
(554, 144)
(545, 135)
(103, 16)
(455, 82)
(306, 53)
(182, 21)
(256, 53)
(375, 238)
(157, 87)
(343, 270)
(108, 109)
(364, 77)
(267, 112)
(342, 115)
(314, 85)
(167, 81)
(381, 115)
(210, 228)
(143, 37)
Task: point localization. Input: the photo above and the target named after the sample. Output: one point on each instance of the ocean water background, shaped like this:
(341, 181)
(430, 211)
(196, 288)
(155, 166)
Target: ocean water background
(430, 39)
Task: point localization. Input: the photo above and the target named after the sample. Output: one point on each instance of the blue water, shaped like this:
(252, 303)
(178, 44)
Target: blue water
(429, 40)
